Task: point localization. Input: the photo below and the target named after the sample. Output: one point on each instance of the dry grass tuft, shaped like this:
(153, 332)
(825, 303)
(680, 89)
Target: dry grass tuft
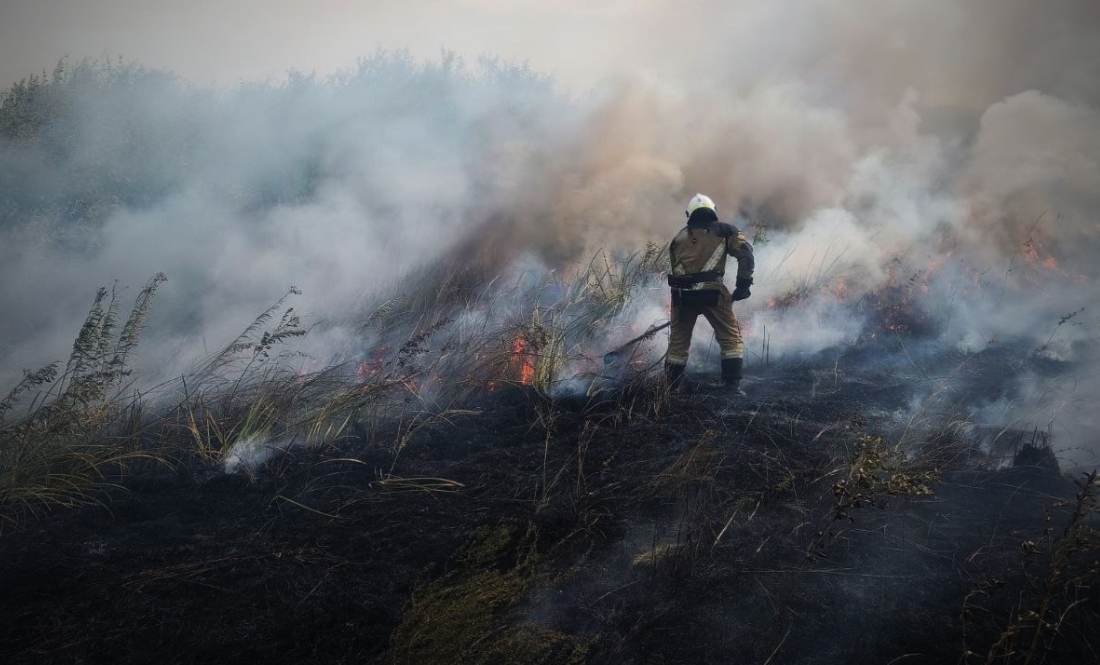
(79, 434)
(467, 615)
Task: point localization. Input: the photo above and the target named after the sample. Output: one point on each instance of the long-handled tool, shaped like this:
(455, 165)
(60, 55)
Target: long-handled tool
(612, 357)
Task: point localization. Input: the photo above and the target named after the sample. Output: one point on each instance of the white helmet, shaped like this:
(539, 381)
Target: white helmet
(699, 201)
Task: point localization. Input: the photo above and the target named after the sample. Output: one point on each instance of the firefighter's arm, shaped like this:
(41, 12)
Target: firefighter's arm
(737, 246)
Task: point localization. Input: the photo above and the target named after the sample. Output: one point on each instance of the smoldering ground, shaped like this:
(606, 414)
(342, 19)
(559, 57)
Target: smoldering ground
(946, 150)
(920, 182)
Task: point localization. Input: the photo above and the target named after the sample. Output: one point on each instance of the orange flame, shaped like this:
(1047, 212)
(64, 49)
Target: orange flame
(374, 365)
(522, 363)
(1037, 255)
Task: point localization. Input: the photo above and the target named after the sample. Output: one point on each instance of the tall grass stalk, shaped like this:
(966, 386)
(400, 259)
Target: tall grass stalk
(78, 435)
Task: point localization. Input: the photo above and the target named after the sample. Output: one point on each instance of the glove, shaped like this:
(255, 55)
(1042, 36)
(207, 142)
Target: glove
(742, 291)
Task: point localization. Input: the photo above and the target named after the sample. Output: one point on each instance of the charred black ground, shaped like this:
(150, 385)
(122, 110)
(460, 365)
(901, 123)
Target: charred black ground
(824, 519)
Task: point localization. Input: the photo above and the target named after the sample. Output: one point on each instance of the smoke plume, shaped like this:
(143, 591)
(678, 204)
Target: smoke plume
(947, 150)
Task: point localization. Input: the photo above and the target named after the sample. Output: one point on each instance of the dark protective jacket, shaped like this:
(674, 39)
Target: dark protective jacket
(698, 253)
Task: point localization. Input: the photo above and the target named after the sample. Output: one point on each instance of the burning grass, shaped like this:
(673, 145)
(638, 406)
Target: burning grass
(476, 488)
(253, 401)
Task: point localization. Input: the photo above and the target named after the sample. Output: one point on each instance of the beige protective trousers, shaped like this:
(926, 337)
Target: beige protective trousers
(727, 332)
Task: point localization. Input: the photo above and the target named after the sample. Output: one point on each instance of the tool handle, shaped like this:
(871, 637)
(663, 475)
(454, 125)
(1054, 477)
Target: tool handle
(651, 331)
(613, 356)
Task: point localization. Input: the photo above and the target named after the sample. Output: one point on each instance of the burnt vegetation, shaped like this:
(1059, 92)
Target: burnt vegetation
(464, 492)
(355, 514)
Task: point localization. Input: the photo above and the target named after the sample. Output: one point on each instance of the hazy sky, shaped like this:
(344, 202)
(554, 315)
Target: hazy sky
(952, 52)
(228, 40)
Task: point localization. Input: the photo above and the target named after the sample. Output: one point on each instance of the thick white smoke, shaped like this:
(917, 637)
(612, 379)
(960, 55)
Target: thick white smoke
(947, 149)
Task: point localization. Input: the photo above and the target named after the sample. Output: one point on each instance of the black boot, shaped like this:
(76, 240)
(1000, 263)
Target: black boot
(731, 376)
(675, 376)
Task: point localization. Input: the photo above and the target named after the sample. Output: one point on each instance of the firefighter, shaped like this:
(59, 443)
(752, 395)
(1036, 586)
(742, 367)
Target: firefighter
(698, 258)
